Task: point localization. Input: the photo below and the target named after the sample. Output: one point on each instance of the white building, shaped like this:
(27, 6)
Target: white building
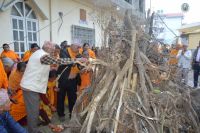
(166, 26)
(23, 22)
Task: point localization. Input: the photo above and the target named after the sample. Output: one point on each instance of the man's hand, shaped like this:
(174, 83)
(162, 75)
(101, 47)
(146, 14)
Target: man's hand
(86, 69)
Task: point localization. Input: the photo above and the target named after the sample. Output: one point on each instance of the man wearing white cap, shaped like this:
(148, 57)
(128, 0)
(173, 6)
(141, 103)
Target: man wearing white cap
(69, 79)
(7, 123)
(184, 57)
(35, 79)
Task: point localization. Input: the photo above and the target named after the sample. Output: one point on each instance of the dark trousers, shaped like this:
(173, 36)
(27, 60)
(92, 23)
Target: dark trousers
(196, 68)
(70, 87)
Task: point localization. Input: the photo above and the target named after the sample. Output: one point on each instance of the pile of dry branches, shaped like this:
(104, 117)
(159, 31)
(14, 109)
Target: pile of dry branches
(130, 94)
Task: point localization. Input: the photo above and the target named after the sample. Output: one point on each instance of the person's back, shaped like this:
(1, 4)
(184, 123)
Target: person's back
(17, 110)
(36, 81)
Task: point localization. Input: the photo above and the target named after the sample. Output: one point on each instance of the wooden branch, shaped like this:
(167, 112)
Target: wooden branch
(120, 104)
(96, 100)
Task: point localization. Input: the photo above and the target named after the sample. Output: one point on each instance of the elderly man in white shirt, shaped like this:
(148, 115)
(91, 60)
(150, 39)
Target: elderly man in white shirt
(184, 57)
(35, 79)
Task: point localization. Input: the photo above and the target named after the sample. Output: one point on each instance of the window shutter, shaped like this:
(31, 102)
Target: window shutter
(82, 14)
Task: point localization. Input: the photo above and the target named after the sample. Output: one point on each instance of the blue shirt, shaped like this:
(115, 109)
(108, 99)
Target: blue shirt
(9, 125)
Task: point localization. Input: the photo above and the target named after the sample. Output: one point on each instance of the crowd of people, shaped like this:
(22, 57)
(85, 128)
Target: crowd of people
(34, 87)
(181, 60)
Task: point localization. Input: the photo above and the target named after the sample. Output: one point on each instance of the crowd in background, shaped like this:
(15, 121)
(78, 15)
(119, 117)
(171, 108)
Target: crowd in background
(181, 60)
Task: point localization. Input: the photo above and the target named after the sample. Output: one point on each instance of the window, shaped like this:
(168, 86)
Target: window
(82, 15)
(25, 26)
(129, 1)
(86, 35)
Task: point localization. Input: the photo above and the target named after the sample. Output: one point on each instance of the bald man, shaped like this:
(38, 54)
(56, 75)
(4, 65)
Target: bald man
(35, 79)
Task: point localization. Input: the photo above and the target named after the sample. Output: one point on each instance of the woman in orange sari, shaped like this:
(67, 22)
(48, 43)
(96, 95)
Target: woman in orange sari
(9, 53)
(17, 110)
(85, 75)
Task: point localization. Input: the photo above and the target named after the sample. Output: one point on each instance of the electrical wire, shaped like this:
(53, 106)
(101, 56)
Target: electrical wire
(167, 26)
(61, 18)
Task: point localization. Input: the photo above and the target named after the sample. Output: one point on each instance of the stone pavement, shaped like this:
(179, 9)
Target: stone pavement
(190, 78)
(55, 120)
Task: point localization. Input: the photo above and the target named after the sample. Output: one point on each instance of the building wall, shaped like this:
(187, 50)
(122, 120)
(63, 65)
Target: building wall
(194, 40)
(71, 11)
(43, 34)
(174, 24)
(5, 28)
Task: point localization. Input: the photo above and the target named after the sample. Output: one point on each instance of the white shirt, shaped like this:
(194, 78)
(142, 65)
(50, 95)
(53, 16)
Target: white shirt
(185, 59)
(36, 75)
(198, 55)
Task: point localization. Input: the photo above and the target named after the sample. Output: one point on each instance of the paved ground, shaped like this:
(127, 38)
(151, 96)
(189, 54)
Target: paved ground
(190, 78)
(55, 120)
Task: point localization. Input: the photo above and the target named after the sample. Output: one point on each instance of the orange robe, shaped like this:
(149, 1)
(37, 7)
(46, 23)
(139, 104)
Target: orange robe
(10, 54)
(74, 69)
(86, 76)
(27, 55)
(90, 52)
(18, 110)
(173, 60)
(3, 77)
(51, 93)
(85, 80)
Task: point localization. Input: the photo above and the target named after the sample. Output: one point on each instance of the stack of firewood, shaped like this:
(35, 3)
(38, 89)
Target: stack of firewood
(130, 94)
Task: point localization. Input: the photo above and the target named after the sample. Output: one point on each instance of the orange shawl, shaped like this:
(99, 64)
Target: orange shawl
(27, 55)
(10, 54)
(91, 53)
(173, 60)
(18, 110)
(74, 69)
(51, 93)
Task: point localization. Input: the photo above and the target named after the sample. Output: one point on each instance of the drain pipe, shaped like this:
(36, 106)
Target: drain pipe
(50, 19)
(1, 8)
